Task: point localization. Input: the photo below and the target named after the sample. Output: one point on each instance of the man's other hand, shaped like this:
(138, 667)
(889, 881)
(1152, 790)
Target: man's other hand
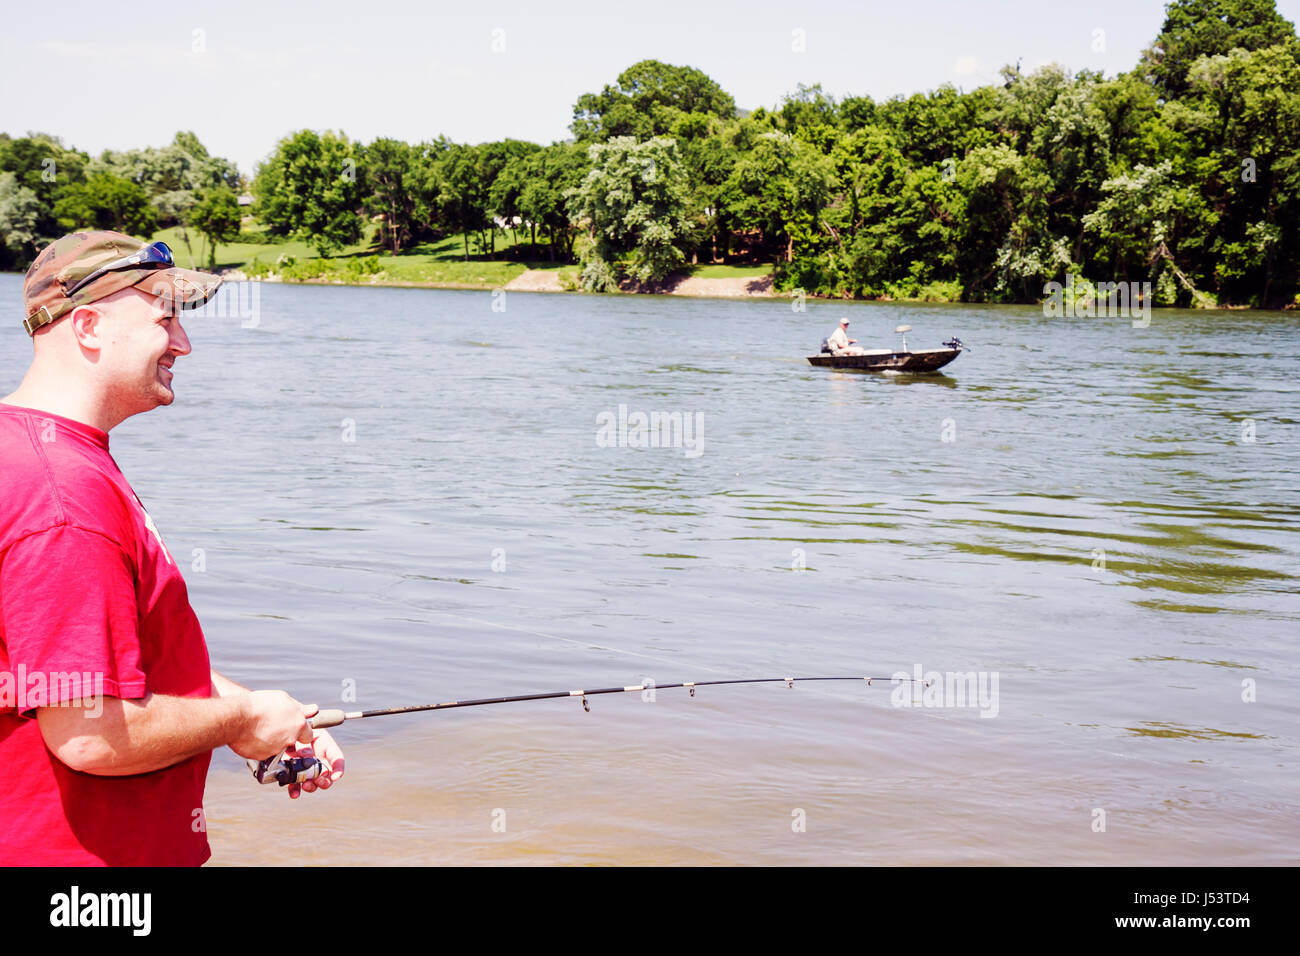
(324, 748)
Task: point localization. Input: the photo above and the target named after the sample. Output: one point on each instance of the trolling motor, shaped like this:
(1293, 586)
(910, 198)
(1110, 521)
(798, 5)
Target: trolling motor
(955, 343)
(286, 770)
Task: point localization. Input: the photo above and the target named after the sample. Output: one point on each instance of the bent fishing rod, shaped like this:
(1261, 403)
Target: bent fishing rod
(285, 770)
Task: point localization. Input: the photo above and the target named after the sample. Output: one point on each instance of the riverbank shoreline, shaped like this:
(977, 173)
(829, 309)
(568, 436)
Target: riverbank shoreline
(549, 281)
(732, 287)
(706, 287)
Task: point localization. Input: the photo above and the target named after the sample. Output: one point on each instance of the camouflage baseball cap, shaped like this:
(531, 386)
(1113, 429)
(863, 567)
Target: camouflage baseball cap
(67, 261)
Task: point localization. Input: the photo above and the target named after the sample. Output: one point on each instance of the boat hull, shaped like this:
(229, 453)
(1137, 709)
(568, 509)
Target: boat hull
(922, 360)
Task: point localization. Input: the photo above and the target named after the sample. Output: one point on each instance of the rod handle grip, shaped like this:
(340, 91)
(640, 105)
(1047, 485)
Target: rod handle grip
(327, 718)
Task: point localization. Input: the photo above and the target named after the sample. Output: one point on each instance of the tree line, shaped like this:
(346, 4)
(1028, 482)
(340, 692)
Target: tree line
(47, 189)
(1184, 172)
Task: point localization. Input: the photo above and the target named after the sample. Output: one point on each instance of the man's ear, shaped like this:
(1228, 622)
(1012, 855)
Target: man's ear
(87, 324)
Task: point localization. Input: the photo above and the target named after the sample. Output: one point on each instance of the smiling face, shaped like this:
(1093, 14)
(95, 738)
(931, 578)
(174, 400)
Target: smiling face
(142, 337)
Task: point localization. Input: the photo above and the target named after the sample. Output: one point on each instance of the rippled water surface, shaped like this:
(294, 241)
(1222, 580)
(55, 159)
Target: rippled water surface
(1103, 517)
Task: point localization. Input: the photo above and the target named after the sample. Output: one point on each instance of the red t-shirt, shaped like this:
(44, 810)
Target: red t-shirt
(89, 598)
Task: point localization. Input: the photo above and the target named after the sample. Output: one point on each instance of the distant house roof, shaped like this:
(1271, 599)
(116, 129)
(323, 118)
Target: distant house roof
(246, 199)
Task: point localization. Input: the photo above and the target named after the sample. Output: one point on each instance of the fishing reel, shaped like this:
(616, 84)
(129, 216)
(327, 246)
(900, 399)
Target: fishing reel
(286, 770)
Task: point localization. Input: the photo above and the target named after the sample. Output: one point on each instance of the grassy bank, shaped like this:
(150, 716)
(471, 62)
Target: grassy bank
(439, 264)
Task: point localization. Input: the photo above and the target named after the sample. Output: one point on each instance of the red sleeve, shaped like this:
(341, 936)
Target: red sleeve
(69, 617)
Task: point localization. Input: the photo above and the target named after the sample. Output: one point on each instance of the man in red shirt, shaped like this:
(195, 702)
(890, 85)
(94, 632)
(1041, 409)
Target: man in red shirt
(109, 709)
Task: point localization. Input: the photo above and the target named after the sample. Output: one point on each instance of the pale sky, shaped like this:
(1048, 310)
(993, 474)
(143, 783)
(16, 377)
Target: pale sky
(243, 74)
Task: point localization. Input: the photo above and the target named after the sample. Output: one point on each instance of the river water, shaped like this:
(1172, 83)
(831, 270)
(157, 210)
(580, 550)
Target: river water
(400, 496)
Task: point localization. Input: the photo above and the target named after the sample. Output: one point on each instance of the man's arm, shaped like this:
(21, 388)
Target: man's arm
(223, 686)
(116, 737)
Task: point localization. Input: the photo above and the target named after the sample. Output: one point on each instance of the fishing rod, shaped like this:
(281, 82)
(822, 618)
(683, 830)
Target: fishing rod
(286, 770)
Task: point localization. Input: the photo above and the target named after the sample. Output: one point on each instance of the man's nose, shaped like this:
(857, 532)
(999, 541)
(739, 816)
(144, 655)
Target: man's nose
(180, 342)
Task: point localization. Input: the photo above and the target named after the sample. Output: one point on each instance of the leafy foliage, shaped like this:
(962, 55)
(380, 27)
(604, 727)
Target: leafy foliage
(105, 201)
(216, 217)
(311, 189)
(1183, 172)
(634, 200)
(650, 99)
(1200, 28)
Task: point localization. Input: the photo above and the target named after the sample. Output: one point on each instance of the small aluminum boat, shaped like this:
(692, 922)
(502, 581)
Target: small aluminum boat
(886, 360)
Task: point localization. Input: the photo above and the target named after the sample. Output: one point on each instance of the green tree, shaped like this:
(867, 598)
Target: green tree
(549, 176)
(43, 166)
(503, 199)
(1136, 130)
(1197, 28)
(216, 217)
(506, 191)
(929, 128)
(397, 191)
(711, 158)
(1250, 103)
(311, 188)
(20, 214)
(42, 163)
(106, 202)
(173, 177)
(463, 192)
(926, 217)
(779, 187)
(1154, 220)
(648, 99)
(635, 201)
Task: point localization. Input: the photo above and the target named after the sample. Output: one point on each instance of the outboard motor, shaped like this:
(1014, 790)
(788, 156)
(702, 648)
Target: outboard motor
(826, 345)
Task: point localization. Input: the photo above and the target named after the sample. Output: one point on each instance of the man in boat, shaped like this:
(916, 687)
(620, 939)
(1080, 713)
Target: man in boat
(839, 342)
(109, 707)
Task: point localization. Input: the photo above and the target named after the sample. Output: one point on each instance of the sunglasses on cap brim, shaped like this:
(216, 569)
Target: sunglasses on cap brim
(156, 255)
